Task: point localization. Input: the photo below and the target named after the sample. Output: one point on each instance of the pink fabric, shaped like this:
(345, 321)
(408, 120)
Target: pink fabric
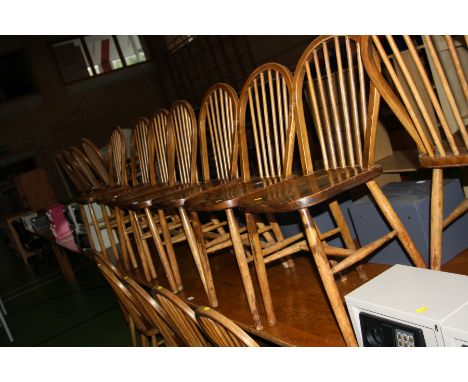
(58, 223)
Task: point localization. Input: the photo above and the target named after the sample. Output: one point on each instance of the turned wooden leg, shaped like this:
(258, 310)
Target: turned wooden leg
(110, 232)
(243, 267)
(203, 257)
(286, 262)
(396, 224)
(144, 340)
(138, 240)
(161, 251)
(260, 268)
(87, 228)
(122, 237)
(170, 249)
(98, 231)
(202, 264)
(328, 280)
(437, 218)
(346, 235)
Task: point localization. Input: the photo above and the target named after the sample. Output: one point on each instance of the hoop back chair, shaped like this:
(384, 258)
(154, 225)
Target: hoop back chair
(182, 316)
(344, 106)
(132, 315)
(265, 103)
(222, 331)
(420, 83)
(96, 159)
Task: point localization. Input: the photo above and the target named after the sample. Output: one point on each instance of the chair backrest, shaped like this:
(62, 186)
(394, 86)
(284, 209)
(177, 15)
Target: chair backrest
(95, 159)
(158, 136)
(76, 178)
(125, 298)
(141, 152)
(219, 111)
(182, 316)
(265, 103)
(152, 311)
(82, 164)
(221, 330)
(117, 158)
(418, 77)
(331, 81)
(182, 144)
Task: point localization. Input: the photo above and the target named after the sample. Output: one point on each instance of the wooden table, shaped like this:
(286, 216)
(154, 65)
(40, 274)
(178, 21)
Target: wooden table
(304, 317)
(61, 249)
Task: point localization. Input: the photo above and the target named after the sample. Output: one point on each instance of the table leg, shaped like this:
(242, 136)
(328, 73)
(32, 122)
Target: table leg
(65, 266)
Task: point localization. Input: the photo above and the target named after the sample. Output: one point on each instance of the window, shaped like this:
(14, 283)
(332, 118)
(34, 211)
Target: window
(89, 56)
(15, 78)
(173, 43)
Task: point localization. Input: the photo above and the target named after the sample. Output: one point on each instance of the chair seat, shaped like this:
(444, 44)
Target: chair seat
(177, 198)
(228, 195)
(300, 192)
(123, 192)
(128, 200)
(96, 194)
(444, 161)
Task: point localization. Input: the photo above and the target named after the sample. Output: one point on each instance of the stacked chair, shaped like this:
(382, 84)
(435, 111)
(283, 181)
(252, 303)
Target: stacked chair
(168, 191)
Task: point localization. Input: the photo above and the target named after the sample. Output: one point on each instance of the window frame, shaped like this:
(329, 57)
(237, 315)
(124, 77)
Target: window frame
(87, 56)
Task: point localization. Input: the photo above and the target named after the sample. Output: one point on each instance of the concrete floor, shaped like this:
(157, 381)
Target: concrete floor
(45, 310)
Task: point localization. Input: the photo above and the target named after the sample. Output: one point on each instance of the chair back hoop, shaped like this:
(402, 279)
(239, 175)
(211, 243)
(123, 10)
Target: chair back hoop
(81, 165)
(265, 103)
(125, 298)
(158, 136)
(182, 144)
(182, 316)
(79, 184)
(218, 111)
(330, 82)
(221, 330)
(152, 311)
(117, 158)
(423, 80)
(96, 160)
(141, 152)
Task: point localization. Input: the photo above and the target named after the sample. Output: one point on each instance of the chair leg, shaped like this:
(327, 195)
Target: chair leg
(346, 235)
(144, 340)
(286, 262)
(98, 231)
(396, 224)
(138, 240)
(199, 254)
(161, 251)
(238, 247)
(260, 268)
(122, 237)
(328, 280)
(170, 249)
(110, 231)
(437, 218)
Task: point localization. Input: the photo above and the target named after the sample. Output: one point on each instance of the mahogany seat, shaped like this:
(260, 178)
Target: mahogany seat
(228, 195)
(306, 191)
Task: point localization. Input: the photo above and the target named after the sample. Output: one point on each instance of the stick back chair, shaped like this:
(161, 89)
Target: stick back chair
(136, 321)
(182, 316)
(344, 106)
(96, 159)
(221, 330)
(420, 82)
(265, 102)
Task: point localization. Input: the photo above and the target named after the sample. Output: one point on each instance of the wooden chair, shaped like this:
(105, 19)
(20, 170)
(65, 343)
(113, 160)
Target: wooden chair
(182, 316)
(222, 331)
(154, 313)
(266, 103)
(149, 225)
(344, 106)
(420, 83)
(182, 174)
(136, 321)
